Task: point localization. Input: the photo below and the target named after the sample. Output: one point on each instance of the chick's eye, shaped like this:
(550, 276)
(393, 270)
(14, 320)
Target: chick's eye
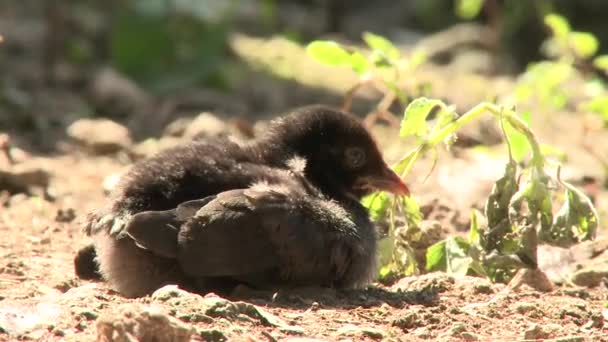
(354, 157)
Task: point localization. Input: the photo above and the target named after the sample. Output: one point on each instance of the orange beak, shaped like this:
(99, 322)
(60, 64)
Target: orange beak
(389, 181)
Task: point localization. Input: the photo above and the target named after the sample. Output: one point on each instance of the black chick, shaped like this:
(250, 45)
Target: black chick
(341, 161)
(269, 235)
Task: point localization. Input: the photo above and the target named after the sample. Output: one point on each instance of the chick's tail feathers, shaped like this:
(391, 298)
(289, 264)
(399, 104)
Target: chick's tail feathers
(85, 263)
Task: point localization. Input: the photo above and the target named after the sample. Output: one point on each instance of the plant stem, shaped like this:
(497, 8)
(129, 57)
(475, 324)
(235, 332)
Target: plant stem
(521, 126)
(436, 138)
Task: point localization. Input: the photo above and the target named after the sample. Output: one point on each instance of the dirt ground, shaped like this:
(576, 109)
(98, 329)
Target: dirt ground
(41, 299)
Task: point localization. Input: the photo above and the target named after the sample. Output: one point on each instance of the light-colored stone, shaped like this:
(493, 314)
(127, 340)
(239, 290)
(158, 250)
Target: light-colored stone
(135, 322)
(100, 135)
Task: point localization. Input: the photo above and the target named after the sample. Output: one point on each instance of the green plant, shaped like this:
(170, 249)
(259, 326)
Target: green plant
(519, 210)
(572, 54)
(383, 68)
(165, 48)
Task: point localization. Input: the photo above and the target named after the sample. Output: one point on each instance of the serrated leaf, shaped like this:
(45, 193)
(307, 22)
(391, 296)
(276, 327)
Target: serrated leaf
(468, 9)
(518, 141)
(381, 44)
(576, 220)
(497, 204)
(601, 62)
(414, 119)
(328, 53)
(558, 24)
(436, 257)
(531, 216)
(538, 199)
(584, 44)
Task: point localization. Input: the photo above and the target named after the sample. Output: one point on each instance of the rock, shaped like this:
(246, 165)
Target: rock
(535, 332)
(431, 232)
(111, 182)
(534, 278)
(205, 125)
(168, 292)
(135, 322)
(590, 276)
(212, 335)
(353, 330)
(18, 319)
(21, 179)
(208, 125)
(437, 281)
(596, 321)
(65, 215)
(186, 303)
(457, 329)
(525, 307)
(149, 147)
(100, 135)
(407, 321)
(469, 336)
(116, 95)
(80, 293)
(483, 287)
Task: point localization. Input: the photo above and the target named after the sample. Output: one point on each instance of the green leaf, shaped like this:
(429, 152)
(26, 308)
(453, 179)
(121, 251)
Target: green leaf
(497, 204)
(553, 151)
(385, 249)
(468, 9)
(584, 44)
(576, 220)
(474, 227)
(531, 216)
(328, 53)
(414, 119)
(445, 117)
(545, 81)
(405, 164)
(412, 212)
(457, 259)
(518, 141)
(598, 105)
(399, 93)
(436, 257)
(377, 204)
(558, 24)
(382, 45)
(164, 55)
(601, 62)
(417, 57)
(449, 255)
(359, 63)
